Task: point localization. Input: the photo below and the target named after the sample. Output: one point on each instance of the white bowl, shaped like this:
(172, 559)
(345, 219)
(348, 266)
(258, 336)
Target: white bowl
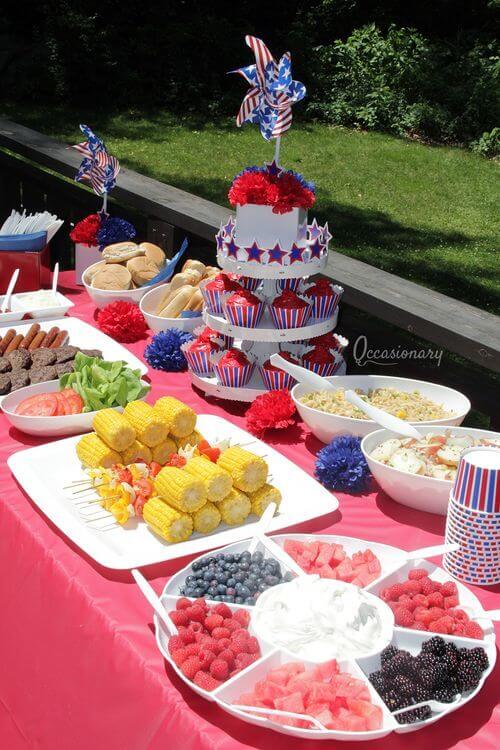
(149, 303)
(70, 424)
(18, 305)
(102, 297)
(326, 426)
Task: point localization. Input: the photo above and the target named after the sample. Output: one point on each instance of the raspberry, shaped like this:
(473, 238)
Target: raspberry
(404, 618)
(244, 660)
(175, 642)
(179, 656)
(426, 586)
(419, 625)
(384, 594)
(412, 587)
(450, 602)
(203, 639)
(439, 626)
(404, 599)
(190, 666)
(240, 633)
(459, 615)
(436, 612)
(231, 625)
(425, 617)
(186, 635)
(436, 599)
(421, 600)
(473, 630)
(417, 574)
(206, 658)
(219, 633)
(196, 627)
(196, 613)
(241, 616)
(219, 669)
(239, 645)
(395, 591)
(458, 628)
(183, 603)
(213, 621)
(223, 643)
(179, 617)
(192, 649)
(222, 609)
(449, 589)
(201, 602)
(436, 586)
(227, 654)
(205, 681)
(253, 645)
(411, 604)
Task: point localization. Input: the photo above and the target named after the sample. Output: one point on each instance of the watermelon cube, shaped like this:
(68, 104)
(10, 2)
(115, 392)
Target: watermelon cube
(326, 670)
(345, 571)
(269, 692)
(325, 717)
(293, 702)
(293, 548)
(325, 554)
(370, 713)
(293, 667)
(278, 676)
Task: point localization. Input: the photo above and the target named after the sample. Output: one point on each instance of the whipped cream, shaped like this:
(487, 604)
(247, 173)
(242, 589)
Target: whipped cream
(319, 619)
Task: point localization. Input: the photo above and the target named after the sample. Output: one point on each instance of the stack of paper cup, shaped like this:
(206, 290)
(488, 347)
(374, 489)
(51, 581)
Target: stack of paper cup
(473, 519)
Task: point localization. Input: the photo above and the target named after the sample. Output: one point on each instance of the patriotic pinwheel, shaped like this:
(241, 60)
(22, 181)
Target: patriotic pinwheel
(97, 167)
(273, 91)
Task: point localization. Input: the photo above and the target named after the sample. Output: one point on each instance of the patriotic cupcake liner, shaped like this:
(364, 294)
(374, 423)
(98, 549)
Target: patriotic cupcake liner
(277, 380)
(244, 316)
(292, 285)
(224, 341)
(476, 486)
(198, 361)
(324, 306)
(247, 282)
(290, 317)
(325, 369)
(213, 298)
(232, 377)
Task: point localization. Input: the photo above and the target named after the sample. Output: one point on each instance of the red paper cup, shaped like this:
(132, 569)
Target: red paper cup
(325, 369)
(325, 305)
(477, 483)
(213, 298)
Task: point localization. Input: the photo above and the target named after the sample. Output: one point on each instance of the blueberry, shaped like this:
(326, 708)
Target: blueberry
(229, 558)
(252, 577)
(196, 565)
(257, 557)
(207, 575)
(220, 556)
(237, 557)
(230, 591)
(250, 600)
(238, 600)
(221, 588)
(244, 565)
(239, 576)
(288, 577)
(233, 568)
(271, 580)
(229, 599)
(262, 586)
(231, 582)
(244, 591)
(211, 591)
(246, 556)
(197, 592)
(238, 586)
(218, 598)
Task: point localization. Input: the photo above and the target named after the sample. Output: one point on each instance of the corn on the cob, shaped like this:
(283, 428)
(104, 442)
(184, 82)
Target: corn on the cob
(180, 419)
(93, 452)
(206, 519)
(234, 508)
(149, 427)
(248, 471)
(180, 489)
(114, 429)
(217, 482)
(163, 451)
(166, 521)
(137, 452)
(262, 497)
(192, 439)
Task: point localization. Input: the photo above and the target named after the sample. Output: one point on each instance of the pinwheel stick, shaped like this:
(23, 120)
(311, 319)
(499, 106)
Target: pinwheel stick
(105, 203)
(277, 149)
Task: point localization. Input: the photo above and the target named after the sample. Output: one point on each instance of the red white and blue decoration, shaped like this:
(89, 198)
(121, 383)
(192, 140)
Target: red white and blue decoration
(478, 487)
(232, 377)
(272, 91)
(98, 167)
(285, 318)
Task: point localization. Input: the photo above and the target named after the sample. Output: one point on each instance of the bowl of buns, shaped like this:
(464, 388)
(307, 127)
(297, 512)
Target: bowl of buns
(179, 303)
(123, 271)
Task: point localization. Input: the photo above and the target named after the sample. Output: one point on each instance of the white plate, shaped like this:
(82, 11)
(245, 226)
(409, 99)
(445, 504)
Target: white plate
(69, 424)
(7, 318)
(411, 640)
(86, 336)
(44, 471)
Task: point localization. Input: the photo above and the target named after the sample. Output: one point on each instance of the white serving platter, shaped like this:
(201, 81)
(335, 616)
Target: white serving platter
(43, 472)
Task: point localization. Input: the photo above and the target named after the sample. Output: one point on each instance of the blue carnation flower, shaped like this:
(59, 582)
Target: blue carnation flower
(164, 351)
(114, 230)
(341, 466)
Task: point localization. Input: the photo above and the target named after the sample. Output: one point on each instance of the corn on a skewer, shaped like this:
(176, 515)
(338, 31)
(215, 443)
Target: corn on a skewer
(93, 452)
(149, 427)
(248, 471)
(217, 482)
(163, 451)
(114, 429)
(206, 519)
(192, 439)
(180, 489)
(166, 521)
(180, 418)
(262, 497)
(235, 508)
(120, 511)
(137, 452)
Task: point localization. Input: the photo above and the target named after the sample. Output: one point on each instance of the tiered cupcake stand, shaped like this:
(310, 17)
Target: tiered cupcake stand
(265, 339)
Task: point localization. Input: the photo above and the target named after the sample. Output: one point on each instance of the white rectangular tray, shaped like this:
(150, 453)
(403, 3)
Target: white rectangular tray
(44, 471)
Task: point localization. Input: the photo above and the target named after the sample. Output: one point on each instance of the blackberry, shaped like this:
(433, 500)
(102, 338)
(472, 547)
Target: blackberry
(378, 681)
(450, 657)
(444, 694)
(424, 661)
(433, 676)
(421, 693)
(403, 685)
(416, 714)
(468, 676)
(435, 646)
(388, 653)
(393, 700)
(402, 663)
(478, 657)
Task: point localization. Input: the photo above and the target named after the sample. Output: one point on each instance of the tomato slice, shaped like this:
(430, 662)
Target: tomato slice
(203, 445)
(211, 453)
(62, 405)
(42, 405)
(75, 401)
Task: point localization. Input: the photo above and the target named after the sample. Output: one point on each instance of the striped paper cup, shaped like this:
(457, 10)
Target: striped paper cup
(288, 284)
(248, 283)
(478, 558)
(277, 380)
(325, 369)
(290, 317)
(232, 377)
(477, 483)
(244, 316)
(474, 576)
(324, 305)
(198, 361)
(213, 298)
(224, 341)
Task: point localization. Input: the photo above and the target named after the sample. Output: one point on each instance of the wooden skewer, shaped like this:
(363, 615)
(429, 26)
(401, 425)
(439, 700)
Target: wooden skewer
(74, 484)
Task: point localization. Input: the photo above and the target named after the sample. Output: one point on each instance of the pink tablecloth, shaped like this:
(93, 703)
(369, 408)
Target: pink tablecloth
(79, 666)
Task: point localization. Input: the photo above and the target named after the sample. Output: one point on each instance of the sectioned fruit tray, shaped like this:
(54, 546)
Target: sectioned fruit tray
(357, 697)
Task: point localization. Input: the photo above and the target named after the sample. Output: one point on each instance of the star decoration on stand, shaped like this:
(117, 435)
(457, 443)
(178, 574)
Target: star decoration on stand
(232, 249)
(296, 254)
(254, 252)
(276, 254)
(302, 231)
(228, 228)
(314, 230)
(220, 242)
(316, 249)
(273, 168)
(325, 235)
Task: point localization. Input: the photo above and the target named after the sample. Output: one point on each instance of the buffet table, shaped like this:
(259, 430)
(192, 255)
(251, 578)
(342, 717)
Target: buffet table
(79, 664)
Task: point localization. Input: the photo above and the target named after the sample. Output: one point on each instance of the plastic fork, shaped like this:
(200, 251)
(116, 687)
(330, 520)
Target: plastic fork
(275, 712)
(425, 552)
(154, 601)
(435, 706)
(262, 526)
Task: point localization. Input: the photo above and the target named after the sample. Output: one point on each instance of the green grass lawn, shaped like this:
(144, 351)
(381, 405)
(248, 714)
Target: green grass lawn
(429, 214)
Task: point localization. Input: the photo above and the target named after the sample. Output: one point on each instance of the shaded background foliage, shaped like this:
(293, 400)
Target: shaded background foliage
(429, 68)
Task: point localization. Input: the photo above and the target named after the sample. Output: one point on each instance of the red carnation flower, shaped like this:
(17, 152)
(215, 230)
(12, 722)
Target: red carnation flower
(85, 231)
(123, 321)
(273, 410)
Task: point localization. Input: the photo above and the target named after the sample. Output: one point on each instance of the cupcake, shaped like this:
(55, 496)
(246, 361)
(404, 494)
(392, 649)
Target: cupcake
(324, 297)
(208, 334)
(232, 367)
(321, 360)
(198, 353)
(274, 377)
(216, 290)
(244, 309)
(248, 283)
(331, 341)
(290, 311)
(292, 284)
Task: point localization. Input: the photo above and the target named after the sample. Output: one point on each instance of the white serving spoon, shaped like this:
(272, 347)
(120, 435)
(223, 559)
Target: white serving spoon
(435, 706)
(10, 289)
(424, 552)
(262, 526)
(55, 279)
(155, 601)
(381, 417)
(274, 712)
(303, 376)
